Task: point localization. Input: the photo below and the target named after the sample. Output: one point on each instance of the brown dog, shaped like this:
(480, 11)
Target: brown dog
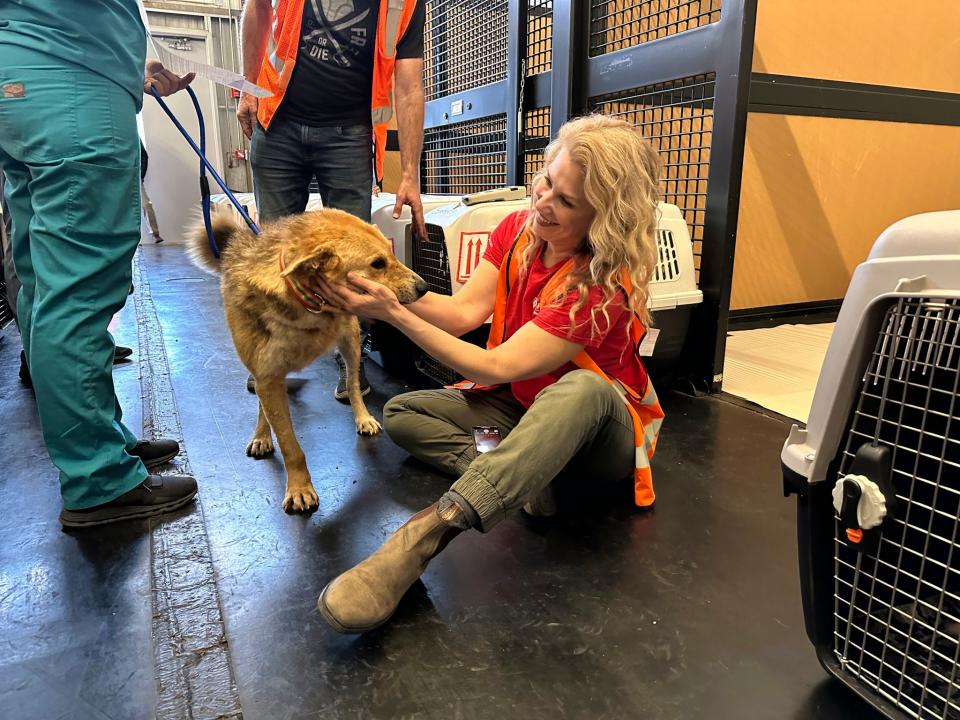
(280, 324)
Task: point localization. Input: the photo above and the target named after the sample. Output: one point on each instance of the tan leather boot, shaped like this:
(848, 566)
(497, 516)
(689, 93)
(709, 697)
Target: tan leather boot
(365, 596)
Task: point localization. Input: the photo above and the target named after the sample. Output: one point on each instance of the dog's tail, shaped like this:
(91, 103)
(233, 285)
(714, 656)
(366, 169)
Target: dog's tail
(225, 228)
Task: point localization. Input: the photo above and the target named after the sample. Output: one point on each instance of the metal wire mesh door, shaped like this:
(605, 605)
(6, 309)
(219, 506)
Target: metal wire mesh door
(618, 24)
(897, 614)
(465, 47)
(433, 264)
(679, 70)
(677, 117)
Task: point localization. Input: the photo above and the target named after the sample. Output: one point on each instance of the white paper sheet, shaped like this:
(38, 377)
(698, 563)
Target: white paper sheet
(181, 66)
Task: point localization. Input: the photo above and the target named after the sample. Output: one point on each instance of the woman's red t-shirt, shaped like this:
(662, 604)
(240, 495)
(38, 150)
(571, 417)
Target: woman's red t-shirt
(609, 345)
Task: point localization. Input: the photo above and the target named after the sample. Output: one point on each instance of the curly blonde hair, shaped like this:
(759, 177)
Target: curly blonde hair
(621, 171)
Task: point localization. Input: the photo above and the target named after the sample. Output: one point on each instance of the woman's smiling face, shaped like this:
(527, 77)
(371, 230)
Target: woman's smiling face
(562, 215)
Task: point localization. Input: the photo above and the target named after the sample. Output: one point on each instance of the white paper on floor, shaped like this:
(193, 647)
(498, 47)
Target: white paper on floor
(777, 368)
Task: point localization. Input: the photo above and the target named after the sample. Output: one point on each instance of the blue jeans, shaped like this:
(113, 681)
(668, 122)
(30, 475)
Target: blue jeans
(287, 157)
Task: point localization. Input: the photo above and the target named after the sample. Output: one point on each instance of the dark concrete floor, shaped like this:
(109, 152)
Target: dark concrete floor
(688, 611)
(75, 610)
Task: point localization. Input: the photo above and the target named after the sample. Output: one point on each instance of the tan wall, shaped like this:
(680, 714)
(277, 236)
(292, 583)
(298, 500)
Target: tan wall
(817, 191)
(391, 172)
(885, 42)
(391, 165)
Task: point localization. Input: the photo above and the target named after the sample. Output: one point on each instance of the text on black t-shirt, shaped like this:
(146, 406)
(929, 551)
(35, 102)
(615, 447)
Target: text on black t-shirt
(333, 78)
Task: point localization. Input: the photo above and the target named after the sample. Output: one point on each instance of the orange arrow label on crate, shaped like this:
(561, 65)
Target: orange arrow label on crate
(472, 245)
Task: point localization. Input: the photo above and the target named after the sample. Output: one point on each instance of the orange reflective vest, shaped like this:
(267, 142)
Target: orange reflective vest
(642, 403)
(276, 69)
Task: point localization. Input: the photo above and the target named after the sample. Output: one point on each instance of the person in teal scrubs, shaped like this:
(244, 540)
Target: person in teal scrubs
(72, 78)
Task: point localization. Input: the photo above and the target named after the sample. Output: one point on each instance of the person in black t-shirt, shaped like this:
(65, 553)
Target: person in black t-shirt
(322, 128)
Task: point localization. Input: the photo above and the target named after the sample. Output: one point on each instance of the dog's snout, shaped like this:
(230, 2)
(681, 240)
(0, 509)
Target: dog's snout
(421, 287)
(414, 288)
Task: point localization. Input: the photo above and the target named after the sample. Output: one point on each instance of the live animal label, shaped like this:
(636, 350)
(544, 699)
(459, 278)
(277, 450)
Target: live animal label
(472, 245)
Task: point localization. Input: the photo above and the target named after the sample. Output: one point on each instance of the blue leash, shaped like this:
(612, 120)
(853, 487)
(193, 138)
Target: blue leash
(205, 165)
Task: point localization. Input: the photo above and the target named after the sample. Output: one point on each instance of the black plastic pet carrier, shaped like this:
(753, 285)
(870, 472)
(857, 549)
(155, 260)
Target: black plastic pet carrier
(877, 472)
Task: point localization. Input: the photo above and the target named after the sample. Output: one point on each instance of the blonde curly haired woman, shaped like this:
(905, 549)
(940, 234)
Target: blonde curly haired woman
(566, 282)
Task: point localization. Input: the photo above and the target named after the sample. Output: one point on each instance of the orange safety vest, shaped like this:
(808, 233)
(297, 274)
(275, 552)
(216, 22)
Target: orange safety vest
(276, 69)
(643, 405)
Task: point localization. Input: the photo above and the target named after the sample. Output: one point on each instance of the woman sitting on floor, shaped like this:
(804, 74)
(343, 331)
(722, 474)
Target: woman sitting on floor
(567, 285)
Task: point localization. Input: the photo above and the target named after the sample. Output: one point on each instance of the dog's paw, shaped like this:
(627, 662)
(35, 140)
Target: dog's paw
(301, 500)
(260, 447)
(367, 425)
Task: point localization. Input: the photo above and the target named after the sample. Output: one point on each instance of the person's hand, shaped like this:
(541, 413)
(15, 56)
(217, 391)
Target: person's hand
(155, 75)
(409, 194)
(374, 301)
(247, 113)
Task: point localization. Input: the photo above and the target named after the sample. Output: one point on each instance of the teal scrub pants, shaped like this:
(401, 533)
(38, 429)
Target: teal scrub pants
(70, 152)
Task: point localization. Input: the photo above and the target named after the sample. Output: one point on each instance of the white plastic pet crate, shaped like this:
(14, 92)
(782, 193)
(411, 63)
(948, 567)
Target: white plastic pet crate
(458, 235)
(397, 230)
(673, 288)
(220, 203)
(882, 594)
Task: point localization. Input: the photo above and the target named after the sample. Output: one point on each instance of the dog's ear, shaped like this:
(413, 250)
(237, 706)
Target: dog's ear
(323, 260)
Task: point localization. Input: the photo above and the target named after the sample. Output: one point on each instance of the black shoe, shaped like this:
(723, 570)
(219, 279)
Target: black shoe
(155, 452)
(25, 371)
(251, 384)
(156, 494)
(341, 392)
(122, 353)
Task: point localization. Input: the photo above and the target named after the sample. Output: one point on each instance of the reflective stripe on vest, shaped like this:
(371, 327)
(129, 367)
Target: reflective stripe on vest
(391, 37)
(643, 405)
(280, 57)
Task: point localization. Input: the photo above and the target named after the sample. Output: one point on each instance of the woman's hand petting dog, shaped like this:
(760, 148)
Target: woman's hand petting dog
(374, 301)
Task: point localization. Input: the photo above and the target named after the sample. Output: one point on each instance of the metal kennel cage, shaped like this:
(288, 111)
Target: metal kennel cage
(503, 76)
(465, 157)
(677, 117)
(616, 24)
(535, 131)
(882, 598)
(680, 71)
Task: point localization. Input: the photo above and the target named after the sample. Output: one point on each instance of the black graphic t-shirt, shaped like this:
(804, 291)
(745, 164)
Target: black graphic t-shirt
(333, 79)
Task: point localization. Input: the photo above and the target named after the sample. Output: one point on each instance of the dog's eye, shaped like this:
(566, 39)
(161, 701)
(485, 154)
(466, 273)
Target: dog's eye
(379, 264)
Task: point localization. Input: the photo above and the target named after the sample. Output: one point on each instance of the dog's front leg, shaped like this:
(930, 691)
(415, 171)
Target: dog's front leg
(261, 445)
(300, 495)
(349, 346)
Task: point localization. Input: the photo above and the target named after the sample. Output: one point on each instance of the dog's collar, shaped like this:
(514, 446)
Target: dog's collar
(306, 298)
